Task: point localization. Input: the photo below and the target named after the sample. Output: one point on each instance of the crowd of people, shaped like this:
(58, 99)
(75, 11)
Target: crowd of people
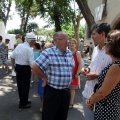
(57, 67)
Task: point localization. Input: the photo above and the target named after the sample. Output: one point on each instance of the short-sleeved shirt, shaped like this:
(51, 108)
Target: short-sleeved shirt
(18, 41)
(23, 54)
(57, 66)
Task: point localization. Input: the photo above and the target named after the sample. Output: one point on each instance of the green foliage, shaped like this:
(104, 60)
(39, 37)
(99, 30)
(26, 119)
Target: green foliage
(56, 11)
(70, 31)
(29, 6)
(45, 32)
(31, 27)
(42, 31)
(82, 32)
(27, 10)
(5, 6)
(15, 31)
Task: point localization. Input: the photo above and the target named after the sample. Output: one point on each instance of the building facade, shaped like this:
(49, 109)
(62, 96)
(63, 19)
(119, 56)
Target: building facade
(106, 11)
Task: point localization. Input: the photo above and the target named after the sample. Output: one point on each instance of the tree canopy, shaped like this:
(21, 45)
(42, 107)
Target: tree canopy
(57, 12)
(5, 6)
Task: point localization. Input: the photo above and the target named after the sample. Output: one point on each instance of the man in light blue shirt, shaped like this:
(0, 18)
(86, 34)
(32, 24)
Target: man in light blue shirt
(55, 66)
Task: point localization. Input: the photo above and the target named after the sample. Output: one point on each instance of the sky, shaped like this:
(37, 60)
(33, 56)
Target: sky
(14, 23)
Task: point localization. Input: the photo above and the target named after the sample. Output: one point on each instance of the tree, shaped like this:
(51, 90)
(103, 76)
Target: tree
(31, 27)
(5, 6)
(27, 10)
(15, 31)
(58, 12)
(45, 32)
(76, 25)
(69, 29)
(86, 12)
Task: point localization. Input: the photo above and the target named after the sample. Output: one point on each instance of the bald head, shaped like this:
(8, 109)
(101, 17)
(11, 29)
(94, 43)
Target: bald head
(18, 36)
(61, 40)
(58, 34)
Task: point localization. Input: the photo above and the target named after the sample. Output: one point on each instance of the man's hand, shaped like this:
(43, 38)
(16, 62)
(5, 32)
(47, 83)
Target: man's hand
(85, 71)
(44, 83)
(91, 76)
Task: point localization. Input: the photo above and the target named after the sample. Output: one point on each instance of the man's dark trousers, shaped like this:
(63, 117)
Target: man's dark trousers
(23, 75)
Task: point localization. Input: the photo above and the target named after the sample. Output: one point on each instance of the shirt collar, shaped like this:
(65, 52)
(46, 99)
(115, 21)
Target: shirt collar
(103, 48)
(27, 44)
(59, 51)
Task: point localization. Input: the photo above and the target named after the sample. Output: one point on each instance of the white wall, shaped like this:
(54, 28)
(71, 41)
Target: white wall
(113, 9)
(12, 40)
(2, 30)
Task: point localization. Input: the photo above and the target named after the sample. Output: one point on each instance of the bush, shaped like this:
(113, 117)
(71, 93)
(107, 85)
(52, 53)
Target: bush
(15, 31)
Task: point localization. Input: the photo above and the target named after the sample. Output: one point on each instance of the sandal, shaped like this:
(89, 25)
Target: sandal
(70, 106)
(41, 109)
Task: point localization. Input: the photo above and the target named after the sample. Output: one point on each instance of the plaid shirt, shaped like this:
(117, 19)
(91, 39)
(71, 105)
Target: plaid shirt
(57, 67)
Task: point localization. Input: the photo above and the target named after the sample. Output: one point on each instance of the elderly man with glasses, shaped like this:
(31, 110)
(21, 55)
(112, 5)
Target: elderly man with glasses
(55, 66)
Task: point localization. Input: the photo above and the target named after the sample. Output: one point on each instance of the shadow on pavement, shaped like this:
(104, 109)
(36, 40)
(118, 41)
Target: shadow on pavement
(9, 101)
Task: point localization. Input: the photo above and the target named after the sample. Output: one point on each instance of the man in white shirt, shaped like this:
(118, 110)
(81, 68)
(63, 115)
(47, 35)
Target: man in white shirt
(22, 57)
(99, 61)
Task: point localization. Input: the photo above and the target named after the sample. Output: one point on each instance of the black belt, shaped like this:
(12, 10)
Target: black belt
(23, 65)
(65, 89)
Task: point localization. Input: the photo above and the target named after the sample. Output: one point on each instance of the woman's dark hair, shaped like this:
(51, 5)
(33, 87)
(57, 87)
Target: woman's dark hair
(113, 39)
(7, 40)
(1, 37)
(101, 27)
(37, 45)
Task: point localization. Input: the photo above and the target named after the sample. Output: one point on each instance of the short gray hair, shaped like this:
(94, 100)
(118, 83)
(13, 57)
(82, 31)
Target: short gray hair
(57, 34)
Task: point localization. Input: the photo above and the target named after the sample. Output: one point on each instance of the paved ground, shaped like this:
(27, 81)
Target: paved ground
(9, 100)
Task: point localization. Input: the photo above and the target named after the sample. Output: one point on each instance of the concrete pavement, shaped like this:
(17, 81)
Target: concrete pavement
(9, 100)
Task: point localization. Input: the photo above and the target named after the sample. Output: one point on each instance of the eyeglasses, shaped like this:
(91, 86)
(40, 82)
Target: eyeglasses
(62, 39)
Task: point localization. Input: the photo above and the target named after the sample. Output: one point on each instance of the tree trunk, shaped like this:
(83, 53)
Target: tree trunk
(56, 19)
(26, 21)
(8, 11)
(22, 20)
(76, 25)
(57, 24)
(86, 12)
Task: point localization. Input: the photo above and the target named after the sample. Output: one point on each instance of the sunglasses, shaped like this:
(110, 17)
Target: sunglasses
(107, 43)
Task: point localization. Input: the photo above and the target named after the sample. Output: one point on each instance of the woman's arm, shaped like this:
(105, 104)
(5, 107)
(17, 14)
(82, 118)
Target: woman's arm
(79, 63)
(111, 80)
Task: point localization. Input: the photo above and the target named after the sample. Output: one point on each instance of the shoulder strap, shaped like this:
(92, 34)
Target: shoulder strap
(76, 52)
(117, 62)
